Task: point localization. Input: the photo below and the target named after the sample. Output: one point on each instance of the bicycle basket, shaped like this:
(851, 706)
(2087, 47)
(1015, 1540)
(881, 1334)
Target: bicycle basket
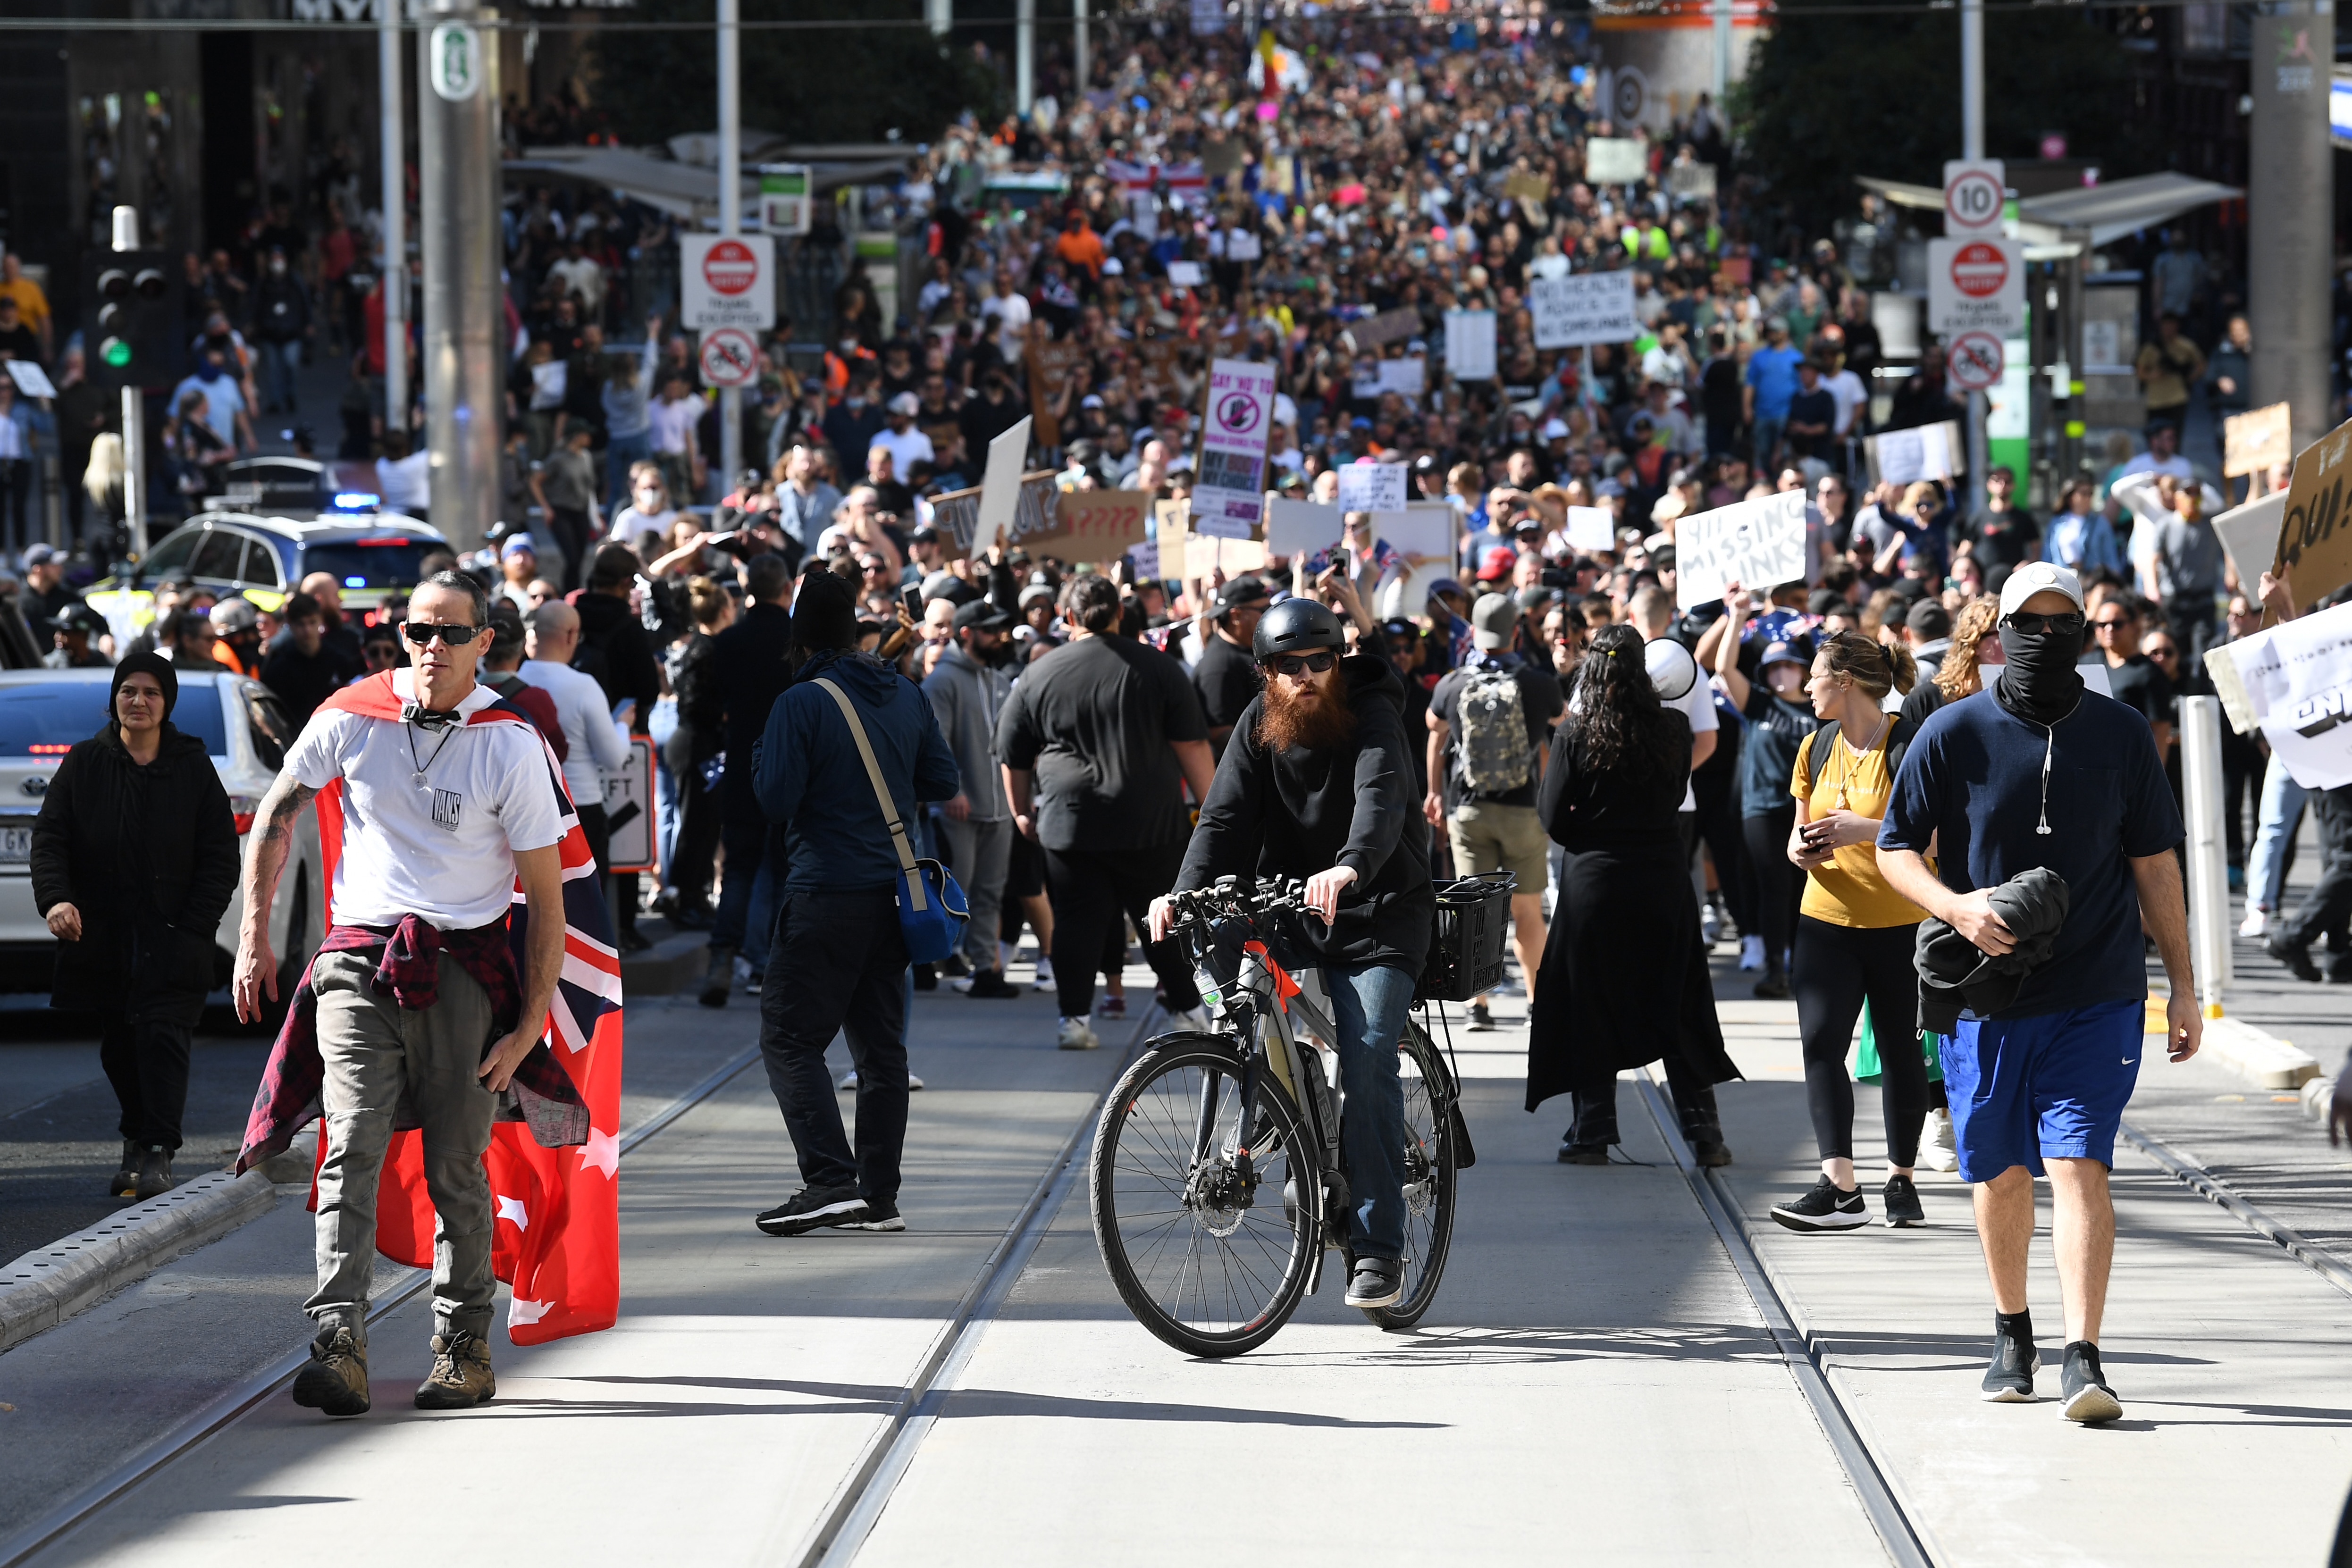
(1466, 949)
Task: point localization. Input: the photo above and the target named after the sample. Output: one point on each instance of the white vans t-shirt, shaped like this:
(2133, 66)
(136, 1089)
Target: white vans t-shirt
(441, 850)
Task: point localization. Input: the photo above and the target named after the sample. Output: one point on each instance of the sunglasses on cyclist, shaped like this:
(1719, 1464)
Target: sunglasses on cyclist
(2067, 623)
(422, 633)
(1297, 663)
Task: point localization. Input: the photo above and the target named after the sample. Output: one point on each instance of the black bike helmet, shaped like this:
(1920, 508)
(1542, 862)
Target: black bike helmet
(1297, 626)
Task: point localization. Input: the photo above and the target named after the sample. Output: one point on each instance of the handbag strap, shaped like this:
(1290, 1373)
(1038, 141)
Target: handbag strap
(881, 788)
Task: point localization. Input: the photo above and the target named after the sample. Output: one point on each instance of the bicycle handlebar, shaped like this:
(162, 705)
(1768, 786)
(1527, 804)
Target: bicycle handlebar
(1230, 895)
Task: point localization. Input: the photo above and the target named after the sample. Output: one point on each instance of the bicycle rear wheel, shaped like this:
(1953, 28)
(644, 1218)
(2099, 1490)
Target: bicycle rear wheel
(1209, 1259)
(1430, 1157)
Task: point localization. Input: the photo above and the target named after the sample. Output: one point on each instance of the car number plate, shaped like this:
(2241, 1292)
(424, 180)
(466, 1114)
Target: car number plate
(15, 845)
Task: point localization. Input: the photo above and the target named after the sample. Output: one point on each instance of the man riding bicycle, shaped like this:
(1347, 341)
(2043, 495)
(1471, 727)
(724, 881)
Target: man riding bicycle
(1318, 782)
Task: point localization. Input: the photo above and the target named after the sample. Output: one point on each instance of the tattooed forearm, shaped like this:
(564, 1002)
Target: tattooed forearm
(267, 846)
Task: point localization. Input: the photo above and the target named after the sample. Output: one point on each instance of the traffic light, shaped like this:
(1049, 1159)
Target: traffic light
(135, 327)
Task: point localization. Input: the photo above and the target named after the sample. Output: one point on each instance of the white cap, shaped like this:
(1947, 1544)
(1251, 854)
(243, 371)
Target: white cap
(2038, 577)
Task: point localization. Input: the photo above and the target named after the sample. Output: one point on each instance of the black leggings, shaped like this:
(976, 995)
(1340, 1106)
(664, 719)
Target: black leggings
(1779, 886)
(1837, 968)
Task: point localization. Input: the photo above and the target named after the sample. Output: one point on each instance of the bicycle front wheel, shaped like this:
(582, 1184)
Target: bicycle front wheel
(1208, 1250)
(1430, 1157)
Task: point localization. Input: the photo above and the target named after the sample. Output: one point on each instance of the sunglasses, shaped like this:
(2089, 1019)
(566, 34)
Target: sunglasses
(2107, 625)
(1302, 663)
(2065, 624)
(422, 633)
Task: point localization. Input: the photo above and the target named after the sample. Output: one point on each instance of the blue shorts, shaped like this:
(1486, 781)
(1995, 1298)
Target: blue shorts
(2053, 1086)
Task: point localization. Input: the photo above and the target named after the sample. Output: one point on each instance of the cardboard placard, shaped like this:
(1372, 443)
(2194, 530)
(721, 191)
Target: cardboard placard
(1229, 491)
(1387, 326)
(1906, 456)
(1092, 525)
(1371, 486)
(2295, 681)
(2250, 533)
(1301, 527)
(1583, 308)
(1470, 345)
(1616, 160)
(2257, 441)
(2315, 543)
(1406, 376)
(999, 489)
(1758, 544)
(1202, 555)
(1592, 528)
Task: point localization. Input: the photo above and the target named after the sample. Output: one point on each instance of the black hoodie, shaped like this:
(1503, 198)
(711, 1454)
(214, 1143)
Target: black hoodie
(1293, 813)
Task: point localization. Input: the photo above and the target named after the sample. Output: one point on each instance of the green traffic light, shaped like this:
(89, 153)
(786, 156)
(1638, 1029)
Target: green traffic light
(115, 351)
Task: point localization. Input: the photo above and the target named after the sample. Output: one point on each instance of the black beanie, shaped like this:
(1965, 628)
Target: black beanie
(149, 664)
(825, 616)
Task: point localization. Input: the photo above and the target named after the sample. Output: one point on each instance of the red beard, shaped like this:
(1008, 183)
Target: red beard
(1320, 723)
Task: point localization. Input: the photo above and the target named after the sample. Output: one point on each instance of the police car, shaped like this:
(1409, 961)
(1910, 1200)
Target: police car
(43, 713)
(281, 520)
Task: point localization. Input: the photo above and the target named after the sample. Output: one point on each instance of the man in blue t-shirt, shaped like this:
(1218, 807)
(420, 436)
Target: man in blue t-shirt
(1771, 383)
(2038, 771)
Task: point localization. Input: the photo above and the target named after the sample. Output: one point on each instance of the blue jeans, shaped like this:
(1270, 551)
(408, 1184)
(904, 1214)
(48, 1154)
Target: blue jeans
(1768, 440)
(2266, 866)
(1367, 1004)
(279, 363)
(620, 453)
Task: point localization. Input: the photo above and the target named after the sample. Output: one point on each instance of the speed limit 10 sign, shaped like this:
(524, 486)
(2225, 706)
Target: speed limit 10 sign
(1975, 192)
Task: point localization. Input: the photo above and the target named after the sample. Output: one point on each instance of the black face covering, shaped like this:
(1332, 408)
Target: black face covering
(2039, 684)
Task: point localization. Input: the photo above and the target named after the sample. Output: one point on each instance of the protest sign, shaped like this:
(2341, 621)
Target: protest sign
(1387, 326)
(2294, 681)
(1592, 528)
(2257, 441)
(2250, 533)
(1758, 544)
(1229, 494)
(1405, 376)
(1300, 528)
(1092, 525)
(2315, 544)
(1616, 160)
(1907, 457)
(1470, 345)
(1202, 555)
(1170, 527)
(1583, 308)
(1371, 486)
(1000, 487)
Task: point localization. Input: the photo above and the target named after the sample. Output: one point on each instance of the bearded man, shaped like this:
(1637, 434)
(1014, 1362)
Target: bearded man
(1318, 782)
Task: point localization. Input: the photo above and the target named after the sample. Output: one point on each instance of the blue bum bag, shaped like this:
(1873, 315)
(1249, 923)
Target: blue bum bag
(931, 908)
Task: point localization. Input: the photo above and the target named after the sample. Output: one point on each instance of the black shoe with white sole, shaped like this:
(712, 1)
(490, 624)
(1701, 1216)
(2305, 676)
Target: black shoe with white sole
(813, 1208)
(1575, 1154)
(1825, 1207)
(1376, 1282)
(1901, 1204)
(874, 1214)
(1481, 1019)
(2083, 1392)
(2009, 1376)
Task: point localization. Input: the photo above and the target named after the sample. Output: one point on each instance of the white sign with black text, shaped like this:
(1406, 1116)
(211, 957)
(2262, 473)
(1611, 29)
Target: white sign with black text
(1583, 308)
(1756, 544)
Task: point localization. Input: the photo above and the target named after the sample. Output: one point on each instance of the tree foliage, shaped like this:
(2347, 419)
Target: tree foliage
(843, 84)
(1828, 98)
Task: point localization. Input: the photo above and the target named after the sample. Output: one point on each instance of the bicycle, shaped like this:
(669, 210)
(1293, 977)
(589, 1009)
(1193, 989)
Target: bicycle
(1208, 1129)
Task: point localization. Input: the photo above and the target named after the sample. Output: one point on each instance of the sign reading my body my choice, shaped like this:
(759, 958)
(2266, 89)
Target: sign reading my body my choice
(1229, 492)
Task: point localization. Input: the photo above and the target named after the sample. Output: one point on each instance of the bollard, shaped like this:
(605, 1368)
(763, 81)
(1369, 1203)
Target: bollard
(2209, 869)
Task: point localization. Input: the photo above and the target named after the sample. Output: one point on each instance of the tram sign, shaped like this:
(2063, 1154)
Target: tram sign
(1976, 285)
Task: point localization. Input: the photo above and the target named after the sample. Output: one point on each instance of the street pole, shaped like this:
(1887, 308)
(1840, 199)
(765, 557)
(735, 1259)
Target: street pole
(2209, 867)
(1024, 57)
(134, 418)
(1972, 147)
(940, 15)
(395, 277)
(2288, 207)
(731, 213)
(464, 358)
(1722, 54)
(1081, 54)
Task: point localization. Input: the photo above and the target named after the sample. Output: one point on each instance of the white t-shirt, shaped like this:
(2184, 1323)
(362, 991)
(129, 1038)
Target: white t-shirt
(906, 447)
(1012, 312)
(442, 850)
(1846, 388)
(590, 744)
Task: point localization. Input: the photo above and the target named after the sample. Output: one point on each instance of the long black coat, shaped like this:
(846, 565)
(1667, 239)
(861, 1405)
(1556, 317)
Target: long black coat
(148, 855)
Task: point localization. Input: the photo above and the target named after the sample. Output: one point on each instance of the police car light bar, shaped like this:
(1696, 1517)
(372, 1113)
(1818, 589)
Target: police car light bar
(356, 500)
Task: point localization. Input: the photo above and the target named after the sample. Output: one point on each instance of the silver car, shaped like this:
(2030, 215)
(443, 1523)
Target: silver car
(45, 713)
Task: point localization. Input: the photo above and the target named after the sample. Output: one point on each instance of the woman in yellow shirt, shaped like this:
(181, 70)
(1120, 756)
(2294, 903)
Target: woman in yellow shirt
(1854, 934)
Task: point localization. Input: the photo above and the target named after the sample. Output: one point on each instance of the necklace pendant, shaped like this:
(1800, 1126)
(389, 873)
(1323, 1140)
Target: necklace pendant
(417, 778)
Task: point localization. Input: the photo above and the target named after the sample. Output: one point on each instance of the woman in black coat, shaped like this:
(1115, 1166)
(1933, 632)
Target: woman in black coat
(134, 860)
(1624, 978)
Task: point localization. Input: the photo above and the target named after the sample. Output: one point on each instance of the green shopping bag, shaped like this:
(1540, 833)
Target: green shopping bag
(1866, 1069)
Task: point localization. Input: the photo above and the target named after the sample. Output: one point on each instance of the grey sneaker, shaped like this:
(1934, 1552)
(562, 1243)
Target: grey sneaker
(2083, 1392)
(2009, 1377)
(1376, 1282)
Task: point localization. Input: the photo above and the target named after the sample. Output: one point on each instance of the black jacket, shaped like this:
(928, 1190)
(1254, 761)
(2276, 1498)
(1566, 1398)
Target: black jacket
(1955, 973)
(624, 662)
(701, 705)
(1279, 814)
(753, 669)
(148, 855)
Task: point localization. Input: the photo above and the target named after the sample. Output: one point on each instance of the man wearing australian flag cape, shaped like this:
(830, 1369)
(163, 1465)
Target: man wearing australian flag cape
(458, 1032)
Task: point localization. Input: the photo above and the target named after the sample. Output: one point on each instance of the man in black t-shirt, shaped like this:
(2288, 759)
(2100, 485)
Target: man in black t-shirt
(2003, 534)
(1093, 742)
(1226, 676)
(2132, 675)
(1812, 414)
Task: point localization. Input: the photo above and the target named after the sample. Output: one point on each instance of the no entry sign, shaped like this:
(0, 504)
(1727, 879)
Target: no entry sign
(731, 357)
(1976, 286)
(1975, 361)
(726, 281)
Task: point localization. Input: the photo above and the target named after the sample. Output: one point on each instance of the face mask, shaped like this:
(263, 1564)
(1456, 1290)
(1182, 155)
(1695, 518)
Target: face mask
(218, 340)
(211, 371)
(2038, 683)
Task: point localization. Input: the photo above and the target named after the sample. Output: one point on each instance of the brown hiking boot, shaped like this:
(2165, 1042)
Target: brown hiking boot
(336, 1379)
(461, 1374)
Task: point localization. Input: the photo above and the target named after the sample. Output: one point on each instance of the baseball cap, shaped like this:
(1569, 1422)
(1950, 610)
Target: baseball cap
(1780, 653)
(1929, 619)
(1492, 619)
(1400, 627)
(1037, 593)
(949, 586)
(1554, 430)
(2038, 577)
(1240, 591)
(233, 616)
(1446, 585)
(981, 615)
(907, 403)
(1497, 563)
(517, 544)
(39, 555)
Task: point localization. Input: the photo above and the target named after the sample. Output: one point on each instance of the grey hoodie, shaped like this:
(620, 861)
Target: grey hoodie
(965, 697)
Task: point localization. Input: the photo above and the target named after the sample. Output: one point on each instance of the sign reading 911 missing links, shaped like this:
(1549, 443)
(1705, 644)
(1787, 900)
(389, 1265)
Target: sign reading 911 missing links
(1756, 544)
(1229, 490)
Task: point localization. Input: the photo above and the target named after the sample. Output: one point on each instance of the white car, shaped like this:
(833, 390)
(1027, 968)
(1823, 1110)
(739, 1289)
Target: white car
(45, 713)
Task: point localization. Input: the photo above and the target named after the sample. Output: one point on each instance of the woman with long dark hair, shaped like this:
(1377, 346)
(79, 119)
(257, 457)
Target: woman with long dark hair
(1855, 933)
(1624, 979)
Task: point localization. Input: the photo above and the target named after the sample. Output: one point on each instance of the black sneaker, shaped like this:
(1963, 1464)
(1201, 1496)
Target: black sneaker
(1480, 1018)
(955, 967)
(811, 1208)
(927, 979)
(1376, 1282)
(874, 1214)
(1710, 1151)
(1824, 1208)
(2009, 1376)
(1574, 1153)
(1772, 987)
(1901, 1203)
(990, 985)
(2296, 955)
(2083, 1392)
